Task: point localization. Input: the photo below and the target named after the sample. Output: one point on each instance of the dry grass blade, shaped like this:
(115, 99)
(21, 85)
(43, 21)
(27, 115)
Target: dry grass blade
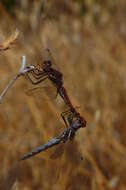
(9, 41)
(10, 179)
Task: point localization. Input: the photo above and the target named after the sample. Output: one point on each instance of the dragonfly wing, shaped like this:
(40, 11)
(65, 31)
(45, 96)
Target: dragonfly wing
(57, 156)
(49, 91)
(47, 56)
(58, 152)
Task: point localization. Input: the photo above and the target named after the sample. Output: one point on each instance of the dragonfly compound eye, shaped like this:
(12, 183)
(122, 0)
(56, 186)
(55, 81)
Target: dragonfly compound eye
(76, 124)
(47, 63)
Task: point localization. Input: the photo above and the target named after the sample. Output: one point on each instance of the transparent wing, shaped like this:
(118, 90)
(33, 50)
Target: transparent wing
(47, 56)
(56, 155)
(50, 91)
(58, 152)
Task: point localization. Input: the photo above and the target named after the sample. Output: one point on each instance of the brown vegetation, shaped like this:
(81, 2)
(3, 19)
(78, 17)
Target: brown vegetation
(91, 51)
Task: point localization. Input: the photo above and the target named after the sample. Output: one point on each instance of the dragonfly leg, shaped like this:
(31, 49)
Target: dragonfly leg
(66, 112)
(70, 113)
(37, 75)
(37, 81)
(37, 71)
(64, 119)
(69, 135)
(65, 115)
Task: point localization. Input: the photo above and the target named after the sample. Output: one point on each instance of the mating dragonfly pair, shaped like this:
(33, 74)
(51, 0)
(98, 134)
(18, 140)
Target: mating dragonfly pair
(72, 119)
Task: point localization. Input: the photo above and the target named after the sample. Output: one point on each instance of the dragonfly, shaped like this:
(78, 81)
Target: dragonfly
(46, 70)
(75, 123)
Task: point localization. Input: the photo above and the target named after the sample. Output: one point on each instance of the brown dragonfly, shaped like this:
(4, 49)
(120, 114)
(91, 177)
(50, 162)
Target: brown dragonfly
(46, 70)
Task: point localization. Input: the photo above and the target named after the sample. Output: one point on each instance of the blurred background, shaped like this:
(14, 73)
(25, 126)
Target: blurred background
(88, 42)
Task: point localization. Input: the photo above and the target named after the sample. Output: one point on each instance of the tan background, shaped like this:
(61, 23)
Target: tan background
(88, 41)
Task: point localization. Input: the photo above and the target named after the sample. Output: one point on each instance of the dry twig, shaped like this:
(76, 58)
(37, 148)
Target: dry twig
(23, 69)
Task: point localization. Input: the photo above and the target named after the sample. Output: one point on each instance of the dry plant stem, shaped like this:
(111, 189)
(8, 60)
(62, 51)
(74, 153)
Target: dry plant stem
(11, 40)
(8, 87)
(21, 72)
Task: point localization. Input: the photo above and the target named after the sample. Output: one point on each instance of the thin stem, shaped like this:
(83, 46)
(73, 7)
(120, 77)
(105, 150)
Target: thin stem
(23, 69)
(8, 87)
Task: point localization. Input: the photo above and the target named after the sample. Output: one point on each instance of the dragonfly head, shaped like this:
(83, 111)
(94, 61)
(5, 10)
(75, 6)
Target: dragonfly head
(78, 122)
(47, 65)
